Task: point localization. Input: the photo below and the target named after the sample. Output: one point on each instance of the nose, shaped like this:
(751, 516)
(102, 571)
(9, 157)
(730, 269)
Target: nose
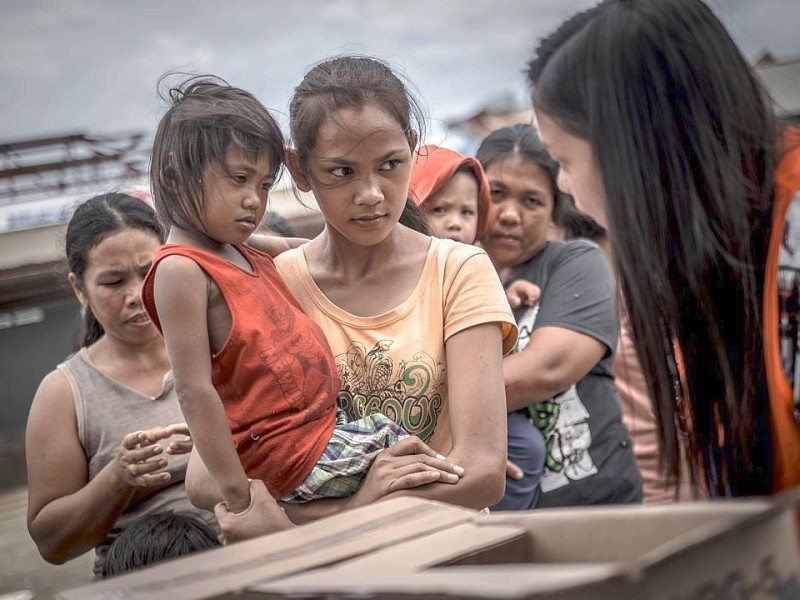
(369, 192)
(252, 199)
(454, 223)
(508, 214)
(563, 182)
(134, 292)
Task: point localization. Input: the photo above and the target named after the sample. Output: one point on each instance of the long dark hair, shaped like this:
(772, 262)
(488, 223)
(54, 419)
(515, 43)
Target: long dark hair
(683, 138)
(91, 223)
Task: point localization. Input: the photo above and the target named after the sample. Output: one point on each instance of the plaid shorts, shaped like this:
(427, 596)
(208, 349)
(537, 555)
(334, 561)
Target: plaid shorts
(347, 457)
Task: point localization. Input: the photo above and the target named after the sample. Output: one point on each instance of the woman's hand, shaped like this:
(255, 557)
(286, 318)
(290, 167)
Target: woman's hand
(513, 471)
(264, 515)
(409, 463)
(138, 460)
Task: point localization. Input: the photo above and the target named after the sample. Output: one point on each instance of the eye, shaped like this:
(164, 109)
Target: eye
(468, 212)
(267, 185)
(438, 210)
(341, 171)
(532, 202)
(497, 194)
(239, 178)
(391, 165)
(111, 283)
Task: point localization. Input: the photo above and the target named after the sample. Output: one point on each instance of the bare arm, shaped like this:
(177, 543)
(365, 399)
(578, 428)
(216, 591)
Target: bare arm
(68, 514)
(553, 360)
(274, 244)
(477, 419)
(473, 474)
(181, 296)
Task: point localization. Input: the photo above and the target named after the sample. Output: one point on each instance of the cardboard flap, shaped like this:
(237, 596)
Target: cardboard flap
(458, 543)
(562, 582)
(323, 542)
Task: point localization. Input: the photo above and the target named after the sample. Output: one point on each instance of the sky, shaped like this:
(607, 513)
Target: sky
(93, 65)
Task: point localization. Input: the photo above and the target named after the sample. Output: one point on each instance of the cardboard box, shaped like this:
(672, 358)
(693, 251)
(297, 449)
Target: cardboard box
(407, 548)
(238, 566)
(743, 549)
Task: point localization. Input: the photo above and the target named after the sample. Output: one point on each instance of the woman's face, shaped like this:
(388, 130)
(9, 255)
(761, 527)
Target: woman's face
(359, 172)
(578, 174)
(112, 284)
(521, 211)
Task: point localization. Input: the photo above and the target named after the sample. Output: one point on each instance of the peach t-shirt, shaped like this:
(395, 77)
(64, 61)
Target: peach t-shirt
(394, 362)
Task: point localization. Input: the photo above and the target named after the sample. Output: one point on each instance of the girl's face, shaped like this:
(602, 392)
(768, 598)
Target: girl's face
(234, 205)
(452, 212)
(359, 172)
(578, 173)
(521, 211)
(112, 284)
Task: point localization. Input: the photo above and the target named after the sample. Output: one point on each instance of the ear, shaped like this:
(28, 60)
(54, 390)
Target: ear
(413, 139)
(296, 170)
(76, 287)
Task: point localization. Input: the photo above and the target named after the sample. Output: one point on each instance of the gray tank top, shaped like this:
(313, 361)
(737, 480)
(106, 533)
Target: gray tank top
(106, 410)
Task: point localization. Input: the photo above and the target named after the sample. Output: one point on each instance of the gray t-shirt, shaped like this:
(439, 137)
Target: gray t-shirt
(589, 456)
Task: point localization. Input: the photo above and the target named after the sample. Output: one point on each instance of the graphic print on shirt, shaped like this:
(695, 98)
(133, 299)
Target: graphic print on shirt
(564, 423)
(409, 393)
(789, 295)
(297, 361)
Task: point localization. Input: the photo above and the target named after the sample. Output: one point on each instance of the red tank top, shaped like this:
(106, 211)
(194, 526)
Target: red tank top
(275, 374)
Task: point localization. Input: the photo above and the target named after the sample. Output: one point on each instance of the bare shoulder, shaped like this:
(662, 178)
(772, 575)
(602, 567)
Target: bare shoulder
(177, 266)
(53, 399)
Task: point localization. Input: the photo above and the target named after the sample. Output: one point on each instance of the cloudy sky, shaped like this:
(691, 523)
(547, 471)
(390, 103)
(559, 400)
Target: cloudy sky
(93, 65)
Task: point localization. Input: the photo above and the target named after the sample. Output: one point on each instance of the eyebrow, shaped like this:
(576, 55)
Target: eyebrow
(248, 168)
(344, 161)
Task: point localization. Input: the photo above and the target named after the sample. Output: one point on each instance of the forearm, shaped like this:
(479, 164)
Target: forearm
(527, 384)
(212, 439)
(68, 526)
(481, 485)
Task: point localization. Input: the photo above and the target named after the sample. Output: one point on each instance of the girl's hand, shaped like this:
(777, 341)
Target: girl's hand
(138, 460)
(410, 463)
(264, 515)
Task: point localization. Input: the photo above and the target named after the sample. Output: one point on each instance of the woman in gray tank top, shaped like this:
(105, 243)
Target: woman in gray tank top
(120, 449)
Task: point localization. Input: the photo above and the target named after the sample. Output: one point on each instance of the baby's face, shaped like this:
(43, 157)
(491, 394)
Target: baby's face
(453, 211)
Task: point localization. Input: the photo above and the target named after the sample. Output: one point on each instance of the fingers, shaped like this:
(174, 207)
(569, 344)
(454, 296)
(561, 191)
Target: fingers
(138, 460)
(413, 445)
(532, 295)
(417, 474)
(513, 471)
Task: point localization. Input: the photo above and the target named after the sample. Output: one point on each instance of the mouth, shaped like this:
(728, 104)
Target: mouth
(139, 319)
(369, 218)
(506, 238)
(248, 222)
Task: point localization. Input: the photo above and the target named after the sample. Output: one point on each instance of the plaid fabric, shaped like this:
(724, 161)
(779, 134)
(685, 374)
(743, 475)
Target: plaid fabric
(347, 457)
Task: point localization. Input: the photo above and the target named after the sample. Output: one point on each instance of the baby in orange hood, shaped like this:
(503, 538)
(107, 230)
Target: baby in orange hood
(452, 191)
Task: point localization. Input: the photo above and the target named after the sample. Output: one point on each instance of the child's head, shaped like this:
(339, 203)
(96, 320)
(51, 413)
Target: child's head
(160, 536)
(452, 191)
(347, 113)
(208, 124)
(349, 82)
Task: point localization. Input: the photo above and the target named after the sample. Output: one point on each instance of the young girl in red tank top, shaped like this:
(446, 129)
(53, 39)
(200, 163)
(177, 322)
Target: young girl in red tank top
(255, 376)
